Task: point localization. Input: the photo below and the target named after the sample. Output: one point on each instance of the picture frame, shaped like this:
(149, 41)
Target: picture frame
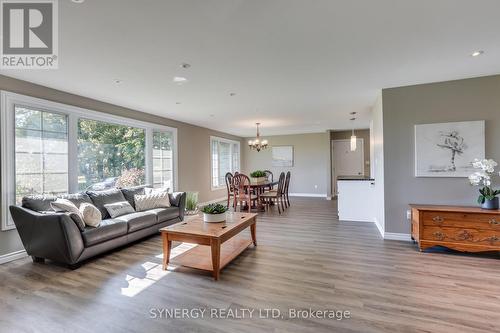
(282, 156)
(448, 149)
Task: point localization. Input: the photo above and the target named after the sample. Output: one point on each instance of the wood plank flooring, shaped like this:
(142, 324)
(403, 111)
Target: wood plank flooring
(305, 259)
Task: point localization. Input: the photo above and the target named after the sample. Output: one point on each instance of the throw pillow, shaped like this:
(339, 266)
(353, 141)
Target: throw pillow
(91, 215)
(150, 190)
(151, 201)
(119, 208)
(64, 205)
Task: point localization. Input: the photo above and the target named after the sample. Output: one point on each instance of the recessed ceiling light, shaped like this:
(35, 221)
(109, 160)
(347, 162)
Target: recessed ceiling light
(78, 1)
(185, 65)
(352, 113)
(212, 115)
(178, 103)
(477, 53)
(117, 81)
(179, 79)
(232, 94)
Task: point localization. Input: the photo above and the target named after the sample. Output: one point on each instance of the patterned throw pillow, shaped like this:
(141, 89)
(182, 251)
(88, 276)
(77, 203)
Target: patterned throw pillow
(150, 190)
(119, 208)
(151, 201)
(91, 215)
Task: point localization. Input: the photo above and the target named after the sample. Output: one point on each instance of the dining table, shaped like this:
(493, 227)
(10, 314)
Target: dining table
(258, 188)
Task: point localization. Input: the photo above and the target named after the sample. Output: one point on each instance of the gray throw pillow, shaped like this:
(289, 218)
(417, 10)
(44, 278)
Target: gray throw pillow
(119, 208)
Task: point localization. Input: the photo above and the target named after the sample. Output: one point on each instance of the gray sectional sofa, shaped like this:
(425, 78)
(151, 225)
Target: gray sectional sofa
(58, 237)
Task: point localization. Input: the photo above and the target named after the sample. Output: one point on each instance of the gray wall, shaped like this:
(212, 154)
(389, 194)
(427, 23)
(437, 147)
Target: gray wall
(193, 144)
(311, 161)
(461, 100)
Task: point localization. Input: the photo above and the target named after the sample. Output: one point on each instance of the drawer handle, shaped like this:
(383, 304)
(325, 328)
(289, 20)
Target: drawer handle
(439, 235)
(438, 219)
(493, 239)
(494, 222)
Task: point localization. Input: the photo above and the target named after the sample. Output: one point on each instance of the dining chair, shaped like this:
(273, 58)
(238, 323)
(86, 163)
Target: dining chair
(276, 195)
(243, 192)
(286, 188)
(230, 187)
(270, 177)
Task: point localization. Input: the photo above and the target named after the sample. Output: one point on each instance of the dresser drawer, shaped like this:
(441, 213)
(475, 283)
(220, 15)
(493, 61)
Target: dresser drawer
(462, 220)
(462, 235)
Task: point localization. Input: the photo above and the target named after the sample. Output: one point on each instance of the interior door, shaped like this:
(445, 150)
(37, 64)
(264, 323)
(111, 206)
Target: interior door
(346, 162)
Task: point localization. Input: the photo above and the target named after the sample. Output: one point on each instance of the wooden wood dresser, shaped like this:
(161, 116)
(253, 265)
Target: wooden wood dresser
(467, 229)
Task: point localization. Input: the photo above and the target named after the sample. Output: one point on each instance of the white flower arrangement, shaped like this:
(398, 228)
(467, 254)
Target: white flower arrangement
(483, 178)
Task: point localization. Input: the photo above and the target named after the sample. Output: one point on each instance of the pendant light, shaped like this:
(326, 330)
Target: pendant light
(353, 136)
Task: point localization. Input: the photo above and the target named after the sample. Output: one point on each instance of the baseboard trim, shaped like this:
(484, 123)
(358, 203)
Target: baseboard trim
(12, 256)
(212, 201)
(396, 236)
(380, 229)
(310, 195)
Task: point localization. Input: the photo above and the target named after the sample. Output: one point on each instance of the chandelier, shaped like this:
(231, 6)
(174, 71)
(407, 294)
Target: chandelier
(257, 144)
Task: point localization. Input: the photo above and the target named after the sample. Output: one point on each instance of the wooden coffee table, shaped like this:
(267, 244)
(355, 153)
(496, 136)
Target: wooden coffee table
(217, 245)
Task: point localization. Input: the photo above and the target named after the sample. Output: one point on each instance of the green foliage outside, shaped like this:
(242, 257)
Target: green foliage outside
(107, 150)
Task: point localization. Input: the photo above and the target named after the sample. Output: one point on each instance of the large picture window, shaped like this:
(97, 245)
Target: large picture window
(41, 152)
(110, 155)
(225, 156)
(163, 168)
(52, 148)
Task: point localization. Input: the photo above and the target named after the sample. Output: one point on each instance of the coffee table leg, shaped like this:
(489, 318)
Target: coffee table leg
(215, 248)
(167, 245)
(253, 231)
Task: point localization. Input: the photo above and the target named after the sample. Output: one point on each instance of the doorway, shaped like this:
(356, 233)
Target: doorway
(346, 162)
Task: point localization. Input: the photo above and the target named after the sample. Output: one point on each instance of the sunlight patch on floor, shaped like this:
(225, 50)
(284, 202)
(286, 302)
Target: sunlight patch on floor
(153, 272)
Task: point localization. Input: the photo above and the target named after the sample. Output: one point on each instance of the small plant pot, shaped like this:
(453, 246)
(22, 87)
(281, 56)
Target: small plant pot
(214, 218)
(259, 180)
(490, 204)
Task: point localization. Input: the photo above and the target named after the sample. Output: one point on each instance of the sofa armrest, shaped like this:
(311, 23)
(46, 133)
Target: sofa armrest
(178, 199)
(50, 236)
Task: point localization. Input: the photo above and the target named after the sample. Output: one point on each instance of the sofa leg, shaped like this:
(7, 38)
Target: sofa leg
(37, 259)
(74, 266)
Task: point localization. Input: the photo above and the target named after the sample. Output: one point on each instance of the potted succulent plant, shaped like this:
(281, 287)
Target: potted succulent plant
(214, 213)
(488, 198)
(258, 176)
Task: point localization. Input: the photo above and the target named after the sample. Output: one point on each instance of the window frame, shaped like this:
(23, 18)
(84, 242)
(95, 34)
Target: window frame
(231, 142)
(7, 140)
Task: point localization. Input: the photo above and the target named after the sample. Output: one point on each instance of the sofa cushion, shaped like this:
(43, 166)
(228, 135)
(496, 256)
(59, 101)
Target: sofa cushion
(77, 198)
(165, 214)
(108, 229)
(129, 193)
(139, 220)
(101, 198)
(38, 203)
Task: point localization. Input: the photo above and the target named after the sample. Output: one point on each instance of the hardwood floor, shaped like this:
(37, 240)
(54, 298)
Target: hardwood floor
(305, 259)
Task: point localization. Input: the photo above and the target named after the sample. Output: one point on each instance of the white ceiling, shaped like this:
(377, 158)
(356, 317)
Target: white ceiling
(296, 66)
